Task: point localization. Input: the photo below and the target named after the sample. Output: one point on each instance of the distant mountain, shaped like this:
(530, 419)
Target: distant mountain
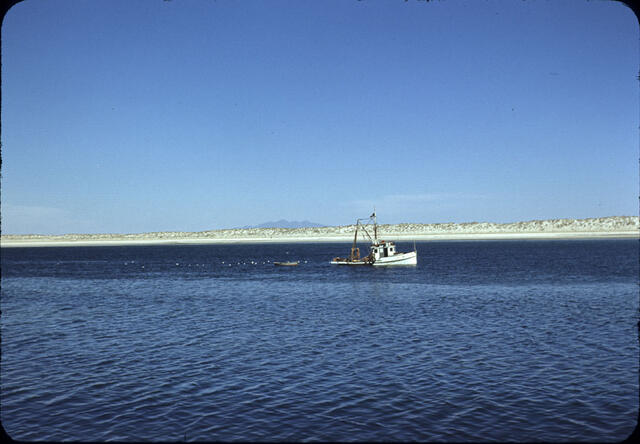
(287, 224)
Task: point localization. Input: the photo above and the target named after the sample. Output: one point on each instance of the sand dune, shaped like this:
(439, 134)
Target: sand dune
(616, 226)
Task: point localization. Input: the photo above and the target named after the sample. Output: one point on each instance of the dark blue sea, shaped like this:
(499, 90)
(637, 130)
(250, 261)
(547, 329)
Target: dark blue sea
(481, 341)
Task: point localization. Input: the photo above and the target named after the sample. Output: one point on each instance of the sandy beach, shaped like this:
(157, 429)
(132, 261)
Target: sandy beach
(605, 227)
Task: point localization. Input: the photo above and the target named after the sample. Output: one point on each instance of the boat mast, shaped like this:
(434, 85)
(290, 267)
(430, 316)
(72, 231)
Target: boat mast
(375, 226)
(355, 237)
(354, 248)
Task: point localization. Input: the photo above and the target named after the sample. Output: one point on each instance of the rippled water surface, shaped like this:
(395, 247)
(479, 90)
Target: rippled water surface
(493, 340)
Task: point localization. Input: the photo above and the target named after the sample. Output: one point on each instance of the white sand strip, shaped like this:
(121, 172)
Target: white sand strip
(49, 242)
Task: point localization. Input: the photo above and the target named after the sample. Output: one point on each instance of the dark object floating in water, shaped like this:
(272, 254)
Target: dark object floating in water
(289, 264)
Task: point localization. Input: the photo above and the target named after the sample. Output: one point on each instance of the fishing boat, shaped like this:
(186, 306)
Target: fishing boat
(381, 252)
(287, 264)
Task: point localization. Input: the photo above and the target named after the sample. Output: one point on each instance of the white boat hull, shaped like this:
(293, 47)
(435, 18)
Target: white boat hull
(410, 258)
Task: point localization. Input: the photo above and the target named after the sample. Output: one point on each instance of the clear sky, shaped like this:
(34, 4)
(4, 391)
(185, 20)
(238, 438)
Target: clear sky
(188, 115)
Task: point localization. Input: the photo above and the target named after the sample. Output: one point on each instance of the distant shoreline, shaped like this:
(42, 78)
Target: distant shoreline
(593, 228)
(317, 239)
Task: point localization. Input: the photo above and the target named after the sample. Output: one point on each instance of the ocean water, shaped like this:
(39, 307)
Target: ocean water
(481, 341)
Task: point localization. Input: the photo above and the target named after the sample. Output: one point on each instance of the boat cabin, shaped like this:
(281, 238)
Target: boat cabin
(383, 249)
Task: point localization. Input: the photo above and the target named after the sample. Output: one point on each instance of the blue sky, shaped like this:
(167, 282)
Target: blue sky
(189, 115)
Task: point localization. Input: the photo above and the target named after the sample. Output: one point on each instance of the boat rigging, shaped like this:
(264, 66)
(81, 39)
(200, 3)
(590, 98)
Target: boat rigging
(381, 252)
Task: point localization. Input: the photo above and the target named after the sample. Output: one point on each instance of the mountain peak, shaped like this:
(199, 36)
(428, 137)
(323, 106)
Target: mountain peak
(283, 223)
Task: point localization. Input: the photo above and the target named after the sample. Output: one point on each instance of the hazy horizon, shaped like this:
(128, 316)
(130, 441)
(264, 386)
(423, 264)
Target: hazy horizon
(149, 116)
